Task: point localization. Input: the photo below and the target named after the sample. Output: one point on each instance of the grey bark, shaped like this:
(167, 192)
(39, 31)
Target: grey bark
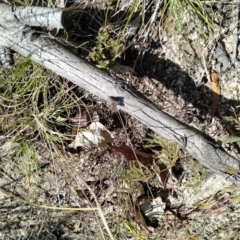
(56, 58)
(39, 16)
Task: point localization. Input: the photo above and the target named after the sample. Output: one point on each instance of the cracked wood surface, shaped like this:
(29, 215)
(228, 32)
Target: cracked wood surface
(55, 57)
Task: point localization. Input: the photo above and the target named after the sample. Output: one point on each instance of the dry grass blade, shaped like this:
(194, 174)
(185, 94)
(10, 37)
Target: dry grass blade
(80, 179)
(12, 195)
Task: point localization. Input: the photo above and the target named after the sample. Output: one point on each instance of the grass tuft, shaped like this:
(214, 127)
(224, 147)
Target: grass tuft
(177, 12)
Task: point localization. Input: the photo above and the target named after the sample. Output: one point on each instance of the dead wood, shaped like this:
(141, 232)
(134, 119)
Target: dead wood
(22, 39)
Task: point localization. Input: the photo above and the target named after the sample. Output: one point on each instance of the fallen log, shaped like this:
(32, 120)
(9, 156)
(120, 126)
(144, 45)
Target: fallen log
(18, 37)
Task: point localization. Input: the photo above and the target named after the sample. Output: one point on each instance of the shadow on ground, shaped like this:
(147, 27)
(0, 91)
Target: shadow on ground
(84, 27)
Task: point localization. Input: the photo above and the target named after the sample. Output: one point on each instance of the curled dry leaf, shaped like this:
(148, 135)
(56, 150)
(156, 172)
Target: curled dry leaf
(146, 160)
(82, 194)
(96, 135)
(216, 91)
(133, 154)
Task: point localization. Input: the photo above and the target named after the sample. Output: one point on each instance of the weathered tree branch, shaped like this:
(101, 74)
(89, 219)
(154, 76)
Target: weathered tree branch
(55, 57)
(39, 16)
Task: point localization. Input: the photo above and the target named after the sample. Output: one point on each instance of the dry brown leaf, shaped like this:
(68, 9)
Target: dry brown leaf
(84, 195)
(146, 159)
(81, 194)
(133, 154)
(216, 90)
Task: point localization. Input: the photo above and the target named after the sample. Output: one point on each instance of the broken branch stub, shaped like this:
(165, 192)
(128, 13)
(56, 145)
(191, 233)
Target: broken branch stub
(55, 57)
(15, 21)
